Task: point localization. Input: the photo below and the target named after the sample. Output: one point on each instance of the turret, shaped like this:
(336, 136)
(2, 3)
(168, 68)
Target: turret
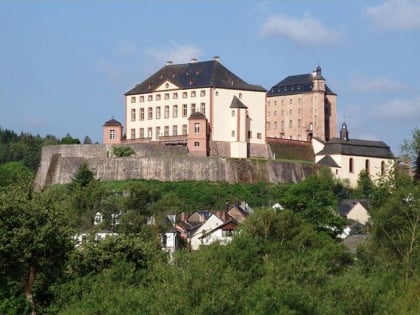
(344, 132)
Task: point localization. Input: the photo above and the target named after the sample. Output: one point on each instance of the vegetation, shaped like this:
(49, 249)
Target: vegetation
(122, 151)
(280, 262)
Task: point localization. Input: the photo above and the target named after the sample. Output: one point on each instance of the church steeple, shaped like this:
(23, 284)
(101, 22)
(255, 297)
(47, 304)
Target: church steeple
(344, 132)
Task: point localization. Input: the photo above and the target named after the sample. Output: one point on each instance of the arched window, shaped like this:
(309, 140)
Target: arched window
(351, 165)
(383, 168)
(367, 166)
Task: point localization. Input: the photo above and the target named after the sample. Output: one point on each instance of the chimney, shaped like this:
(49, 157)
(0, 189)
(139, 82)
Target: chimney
(169, 62)
(193, 60)
(216, 58)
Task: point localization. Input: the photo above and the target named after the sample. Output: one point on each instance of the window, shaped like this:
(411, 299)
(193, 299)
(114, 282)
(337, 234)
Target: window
(184, 94)
(240, 96)
(112, 134)
(157, 132)
(282, 102)
(192, 108)
(196, 143)
(174, 130)
(175, 96)
(133, 99)
(351, 170)
(290, 112)
(299, 100)
(167, 85)
(141, 132)
(184, 110)
(268, 125)
(232, 133)
(133, 114)
(259, 135)
(299, 123)
(158, 112)
(196, 127)
(275, 102)
(150, 113)
(291, 101)
(268, 114)
(217, 93)
(275, 125)
(202, 93)
(149, 132)
(142, 98)
(290, 123)
(203, 108)
(157, 97)
(192, 93)
(249, 134)
(275, 113)
(184, 130)
(233, 113)
(166, 97)
(282, 112)
(166, 131)
(150, 98)
(175, 111)
(141, 113)
(166, 111)
(282, 124)
(299, 111)
(367, 166)
(133, 133)
(382, 168)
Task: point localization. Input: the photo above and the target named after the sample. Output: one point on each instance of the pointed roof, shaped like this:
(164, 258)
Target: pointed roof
(197, 115)
(328, 161)
(296, 84)
(236, 103)
(112, 122)
(194, 75)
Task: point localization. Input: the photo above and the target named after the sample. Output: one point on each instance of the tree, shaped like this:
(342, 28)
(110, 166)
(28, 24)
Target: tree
(411, 148)
(123, 151)
(34, 242)
(83, 177)
(69, 140)
(14, 172)
(87, 140)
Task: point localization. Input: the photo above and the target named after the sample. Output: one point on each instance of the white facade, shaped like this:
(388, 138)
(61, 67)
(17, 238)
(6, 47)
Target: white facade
(209, 225)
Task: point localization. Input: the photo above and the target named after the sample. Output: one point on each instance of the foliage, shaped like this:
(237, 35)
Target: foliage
(411, 148)
(69, 140)
(14, 172)
(83, 177)
(123, 151)
(34, 242)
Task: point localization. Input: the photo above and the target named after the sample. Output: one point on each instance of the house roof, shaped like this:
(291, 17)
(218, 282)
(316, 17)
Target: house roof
(112, 122)
(328, 161)
(357, 147)
(227, 226)
(194, 75)
(197, 115)
(347, 205)
(236, 103)
(296, 84)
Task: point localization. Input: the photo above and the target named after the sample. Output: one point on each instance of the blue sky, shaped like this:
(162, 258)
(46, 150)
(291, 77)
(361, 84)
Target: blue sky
(65, 65)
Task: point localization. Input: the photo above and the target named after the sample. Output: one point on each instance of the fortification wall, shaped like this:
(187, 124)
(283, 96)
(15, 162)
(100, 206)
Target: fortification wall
(60, 163)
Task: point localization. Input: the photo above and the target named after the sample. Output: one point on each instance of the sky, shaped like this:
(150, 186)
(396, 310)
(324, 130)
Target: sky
(65, 65)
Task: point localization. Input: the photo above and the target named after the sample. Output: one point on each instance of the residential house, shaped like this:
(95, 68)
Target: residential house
(355, 210)
(197, 238)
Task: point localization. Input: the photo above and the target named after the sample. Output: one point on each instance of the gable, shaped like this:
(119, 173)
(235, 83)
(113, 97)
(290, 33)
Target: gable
(167, 85)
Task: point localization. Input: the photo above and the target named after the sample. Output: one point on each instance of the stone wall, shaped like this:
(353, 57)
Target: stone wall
(164, 163)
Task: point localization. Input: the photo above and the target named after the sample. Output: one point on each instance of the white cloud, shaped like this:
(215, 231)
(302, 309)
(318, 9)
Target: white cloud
(175, 52)
(109, 70)
(305, 31)
(394, 15)
(398, 110)
(125, 48)
(377, 84)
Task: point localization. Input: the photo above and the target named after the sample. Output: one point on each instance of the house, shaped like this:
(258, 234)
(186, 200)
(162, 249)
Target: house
(348, 157)
(197, 238)
(239, 212)
(231, 122)
(301, 107)
(355, 210)
(112, 132)
(222, 233)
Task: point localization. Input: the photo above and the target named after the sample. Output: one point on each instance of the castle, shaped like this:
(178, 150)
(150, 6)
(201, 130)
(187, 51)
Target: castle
(212, 112)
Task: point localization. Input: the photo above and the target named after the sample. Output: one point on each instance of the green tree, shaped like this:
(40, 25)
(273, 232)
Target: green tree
(411, 148)
(14, 172)
(34, 242)
(69, 140)
(123, 151)
(83, 176)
